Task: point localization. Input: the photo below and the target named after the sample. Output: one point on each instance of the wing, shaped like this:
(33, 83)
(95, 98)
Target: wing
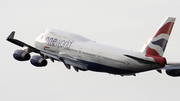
(67, 59)
(20, 43)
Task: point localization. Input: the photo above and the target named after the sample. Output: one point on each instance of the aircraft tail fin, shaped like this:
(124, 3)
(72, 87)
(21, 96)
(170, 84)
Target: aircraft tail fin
(156, 45)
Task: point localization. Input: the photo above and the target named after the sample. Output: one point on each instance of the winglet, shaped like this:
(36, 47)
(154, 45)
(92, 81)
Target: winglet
(11, 36)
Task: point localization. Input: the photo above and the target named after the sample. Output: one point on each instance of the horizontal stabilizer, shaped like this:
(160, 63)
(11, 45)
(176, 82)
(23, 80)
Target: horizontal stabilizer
(170, 66)
(139, 59)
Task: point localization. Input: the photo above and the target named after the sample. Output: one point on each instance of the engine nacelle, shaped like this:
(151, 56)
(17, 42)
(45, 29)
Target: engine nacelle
(173, 72)
(38, 61)
(21, 55)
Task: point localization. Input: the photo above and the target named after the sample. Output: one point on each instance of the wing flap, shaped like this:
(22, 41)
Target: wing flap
(50, 55)
(76, 64)
(66, 59)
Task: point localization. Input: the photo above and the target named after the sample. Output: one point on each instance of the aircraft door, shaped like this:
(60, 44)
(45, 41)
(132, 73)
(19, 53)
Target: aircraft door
(98, 59)
(80, 52)
(99, 56)
(127, 63)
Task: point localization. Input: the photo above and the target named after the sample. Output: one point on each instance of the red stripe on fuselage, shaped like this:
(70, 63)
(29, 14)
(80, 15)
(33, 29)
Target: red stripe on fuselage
(46, 47)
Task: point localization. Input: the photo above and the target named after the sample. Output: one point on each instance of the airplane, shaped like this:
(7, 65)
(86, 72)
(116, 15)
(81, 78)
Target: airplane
(84, 54)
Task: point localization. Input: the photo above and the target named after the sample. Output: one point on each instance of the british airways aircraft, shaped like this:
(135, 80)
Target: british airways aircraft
(83, 54)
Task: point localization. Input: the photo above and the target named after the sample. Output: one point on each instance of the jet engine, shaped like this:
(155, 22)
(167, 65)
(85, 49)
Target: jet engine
(38, 61)
(21, 55)
(173, 72)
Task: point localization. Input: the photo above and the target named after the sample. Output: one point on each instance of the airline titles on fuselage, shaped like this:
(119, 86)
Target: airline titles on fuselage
(59, 42)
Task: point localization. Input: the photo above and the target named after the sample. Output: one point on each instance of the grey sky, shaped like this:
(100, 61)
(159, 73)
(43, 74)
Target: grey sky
(121, 23)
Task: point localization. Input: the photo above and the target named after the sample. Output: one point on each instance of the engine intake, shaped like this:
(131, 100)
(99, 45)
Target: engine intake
(38, 61)
(173, 72)
(21, 55)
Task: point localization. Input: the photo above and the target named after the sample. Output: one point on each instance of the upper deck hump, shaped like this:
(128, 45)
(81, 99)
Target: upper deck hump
(68, 35)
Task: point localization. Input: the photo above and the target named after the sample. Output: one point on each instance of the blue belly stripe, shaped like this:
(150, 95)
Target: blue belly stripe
(102, 68)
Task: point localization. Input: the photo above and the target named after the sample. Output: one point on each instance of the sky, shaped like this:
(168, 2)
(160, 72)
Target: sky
(124, 24)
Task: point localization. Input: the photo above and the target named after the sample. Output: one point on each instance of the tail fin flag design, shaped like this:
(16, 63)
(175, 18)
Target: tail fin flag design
(156, 45)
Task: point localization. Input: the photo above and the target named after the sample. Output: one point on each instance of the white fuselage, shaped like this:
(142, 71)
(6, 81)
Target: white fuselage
(98, 57)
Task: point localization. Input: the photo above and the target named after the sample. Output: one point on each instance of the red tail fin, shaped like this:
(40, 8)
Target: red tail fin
(157, 43)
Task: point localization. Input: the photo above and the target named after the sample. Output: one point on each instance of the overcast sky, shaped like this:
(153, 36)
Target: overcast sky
(121, 23)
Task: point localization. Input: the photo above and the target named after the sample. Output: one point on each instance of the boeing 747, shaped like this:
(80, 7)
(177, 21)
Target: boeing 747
(84, 54)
